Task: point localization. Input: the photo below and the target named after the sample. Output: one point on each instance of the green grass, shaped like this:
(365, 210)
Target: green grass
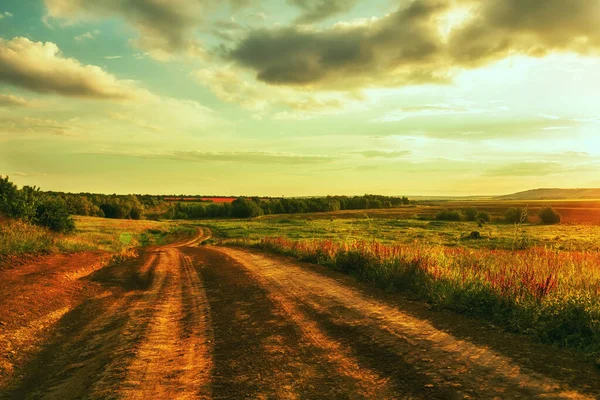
(405, 231)
(549, 294)
(539, 280)
(114, 236)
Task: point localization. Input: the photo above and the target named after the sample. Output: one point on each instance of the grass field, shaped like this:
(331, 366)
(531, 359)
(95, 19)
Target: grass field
(111, 235)
(550, 294)
(542, 280)
(398, 230)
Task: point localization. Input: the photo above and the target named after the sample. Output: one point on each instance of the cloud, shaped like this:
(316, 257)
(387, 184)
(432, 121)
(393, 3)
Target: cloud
(534, 168)
(499, 28)
(87, 36)
(317, 10)
(384, 154)
(232, 85)
(29, 174)
(6, 14)
(549, 116)
(400, 48)
(165, 27)
(135, 121)
(266, 158)
(42, 68)
(423, 41)
(426, 111)
(112, 57)
(32, 125)
(8, 100)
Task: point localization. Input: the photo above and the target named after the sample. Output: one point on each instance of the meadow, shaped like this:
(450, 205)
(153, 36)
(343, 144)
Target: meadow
(18, 238)
(540, 280)
(388, 228)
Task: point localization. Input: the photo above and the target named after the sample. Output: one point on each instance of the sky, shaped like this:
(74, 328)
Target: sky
(300, 97)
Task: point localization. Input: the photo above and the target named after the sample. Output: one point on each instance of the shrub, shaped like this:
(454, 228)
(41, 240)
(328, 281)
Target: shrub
(470, 214)
(15, 203)
(448, 215)
(136, 213)
(483, 216)
(245, 208)
(516, 215)
(355, 262)
(549, 216)
(54, 214)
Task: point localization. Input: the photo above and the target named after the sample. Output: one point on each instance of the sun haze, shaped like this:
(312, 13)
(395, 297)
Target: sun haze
(265, 97)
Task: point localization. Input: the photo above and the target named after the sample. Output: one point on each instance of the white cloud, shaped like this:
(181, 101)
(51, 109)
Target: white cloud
(135, 121)
(42, 67)
(549, 116)
(427, 110)
(8, 100)
(87, 36)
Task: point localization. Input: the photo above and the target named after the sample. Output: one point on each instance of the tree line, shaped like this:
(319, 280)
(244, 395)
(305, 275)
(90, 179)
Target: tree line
(248, 207)
(54, 209)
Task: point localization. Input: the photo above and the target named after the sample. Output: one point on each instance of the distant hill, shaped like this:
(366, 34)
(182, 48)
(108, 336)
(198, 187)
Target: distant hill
(553, 194)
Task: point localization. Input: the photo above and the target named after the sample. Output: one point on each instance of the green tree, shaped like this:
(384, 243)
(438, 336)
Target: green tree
(549, 216)
(470, 213)
(516, 215)
(245, 208)
(53, 213)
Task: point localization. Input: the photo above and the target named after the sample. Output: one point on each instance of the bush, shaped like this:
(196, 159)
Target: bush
(15, 203)
(516, 215)
(448, 215)
(483, 216)
(54, 214)
(245, 208)
(470, 214)
(355, 262)
(549, 216)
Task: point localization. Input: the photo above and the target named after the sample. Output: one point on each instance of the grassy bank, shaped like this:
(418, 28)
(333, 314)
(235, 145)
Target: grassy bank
(18, 238)
(552, 295)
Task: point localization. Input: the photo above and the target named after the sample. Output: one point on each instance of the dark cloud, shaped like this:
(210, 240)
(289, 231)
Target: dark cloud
(409, 47)
(317, 10)
(534, 27)
(400, 48)
(165, 27)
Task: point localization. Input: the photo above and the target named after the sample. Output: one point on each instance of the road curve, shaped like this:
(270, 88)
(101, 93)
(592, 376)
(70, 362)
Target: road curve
(193, 322)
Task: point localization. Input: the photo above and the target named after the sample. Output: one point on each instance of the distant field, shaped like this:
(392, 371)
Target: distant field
(582, 212)
(202, 199)
(406, 231)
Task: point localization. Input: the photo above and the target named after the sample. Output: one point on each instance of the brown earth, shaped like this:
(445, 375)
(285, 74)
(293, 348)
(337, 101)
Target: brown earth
(183, 322)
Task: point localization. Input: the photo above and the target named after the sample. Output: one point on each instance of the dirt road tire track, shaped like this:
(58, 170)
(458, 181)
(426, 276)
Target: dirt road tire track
(419, 359)
(145, 336)
(187, 322)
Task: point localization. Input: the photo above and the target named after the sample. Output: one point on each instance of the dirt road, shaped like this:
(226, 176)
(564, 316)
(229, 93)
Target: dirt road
(185, 322)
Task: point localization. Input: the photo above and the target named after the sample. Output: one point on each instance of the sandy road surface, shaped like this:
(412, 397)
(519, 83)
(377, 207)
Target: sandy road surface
(186, 322)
